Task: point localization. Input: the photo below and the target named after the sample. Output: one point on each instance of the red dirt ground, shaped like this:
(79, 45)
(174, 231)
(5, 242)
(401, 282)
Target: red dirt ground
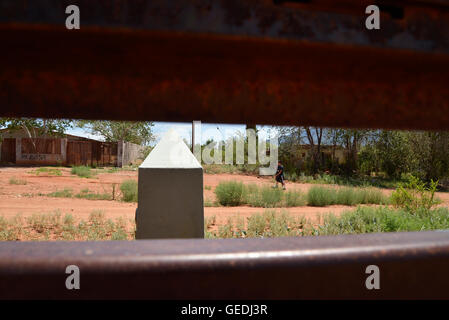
(25, 199)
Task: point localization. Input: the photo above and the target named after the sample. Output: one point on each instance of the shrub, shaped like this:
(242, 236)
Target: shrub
(271, 197)
(321, 196)
(266, 197)
(229, 193)
(294, 199)
(14, 180)
(66, 193)
(49, 171)
(226, 231)
(55, 227)
(371, 196)
(347, 196)
(87, 194)
(273, 224)
(210, 203)
(256, 225)
(383, 219)
(129, 190)
(82, 171)
(415, 195)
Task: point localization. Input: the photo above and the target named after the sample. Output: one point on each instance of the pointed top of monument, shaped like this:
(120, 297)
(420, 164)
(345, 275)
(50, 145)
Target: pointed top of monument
(170, 152)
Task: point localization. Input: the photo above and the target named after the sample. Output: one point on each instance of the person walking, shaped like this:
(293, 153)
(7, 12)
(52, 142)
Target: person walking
(279, 176)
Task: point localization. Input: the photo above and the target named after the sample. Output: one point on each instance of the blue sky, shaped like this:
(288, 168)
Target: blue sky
(208, 130)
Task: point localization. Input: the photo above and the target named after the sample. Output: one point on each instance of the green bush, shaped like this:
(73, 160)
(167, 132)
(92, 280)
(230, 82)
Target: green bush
(82, 171)
(383, 219)
(415, 195)
(66, 193)
(230, 193)
(321, 196)
(129, 190)
(14, 180)
(294, 199)
(374, 196)
(87, 194)
(49, 171)
(226, 231)
(272, 224)
(265, 197)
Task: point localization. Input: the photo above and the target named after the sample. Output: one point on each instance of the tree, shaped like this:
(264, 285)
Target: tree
(352, 140)
(35, 128)
(431, 154)
(315, 137)
(112, 131)
(395, 154)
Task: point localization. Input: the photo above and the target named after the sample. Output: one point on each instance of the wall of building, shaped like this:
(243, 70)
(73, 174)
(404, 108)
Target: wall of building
(128, 153)
(17, 148)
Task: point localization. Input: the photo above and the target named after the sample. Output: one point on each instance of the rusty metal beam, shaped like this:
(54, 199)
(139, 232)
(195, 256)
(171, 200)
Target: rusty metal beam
(227, 61)
(412, 265)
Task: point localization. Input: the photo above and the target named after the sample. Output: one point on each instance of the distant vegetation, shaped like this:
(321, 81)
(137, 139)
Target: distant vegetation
(54, 226)
(14, 180)
(414, 209)
(82, 171)
(48, 171)
(231, 193)
(323, 196)
(129, 190)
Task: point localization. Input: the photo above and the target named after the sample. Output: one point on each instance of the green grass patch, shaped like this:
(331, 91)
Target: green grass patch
(210, 203)
(294, 199)
(265, 197)
(48, 171)
(267, 224)
(89, 195)
(129, 190)
(82, 171)
(66, 193)
(230, 193)
(320, 196)
(355, 181)
(252, 169)
(14, 180)
(383, 219)
(55, 226)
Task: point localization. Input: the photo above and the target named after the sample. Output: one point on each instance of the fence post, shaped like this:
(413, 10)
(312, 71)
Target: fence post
(170, 194)
(18, 150)
(64, 151)
(120, 153)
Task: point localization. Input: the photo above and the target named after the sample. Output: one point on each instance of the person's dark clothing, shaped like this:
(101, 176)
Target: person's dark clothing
(280, 173)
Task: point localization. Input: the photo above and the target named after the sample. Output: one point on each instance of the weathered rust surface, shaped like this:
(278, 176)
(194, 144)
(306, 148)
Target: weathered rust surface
(227, 61)
(412, 265)
(161, 76)
(422, 25)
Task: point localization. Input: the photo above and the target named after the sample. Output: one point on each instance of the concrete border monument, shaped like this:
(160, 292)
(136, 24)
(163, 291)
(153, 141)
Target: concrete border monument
(170, 196)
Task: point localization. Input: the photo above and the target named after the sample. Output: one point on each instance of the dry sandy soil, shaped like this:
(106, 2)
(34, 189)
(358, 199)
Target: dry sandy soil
(25, 199)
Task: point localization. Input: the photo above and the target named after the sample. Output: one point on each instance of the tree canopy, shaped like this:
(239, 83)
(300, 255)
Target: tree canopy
(112, 131)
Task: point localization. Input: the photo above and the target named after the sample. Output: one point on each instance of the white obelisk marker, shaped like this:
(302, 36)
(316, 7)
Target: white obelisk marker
(170, 197)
